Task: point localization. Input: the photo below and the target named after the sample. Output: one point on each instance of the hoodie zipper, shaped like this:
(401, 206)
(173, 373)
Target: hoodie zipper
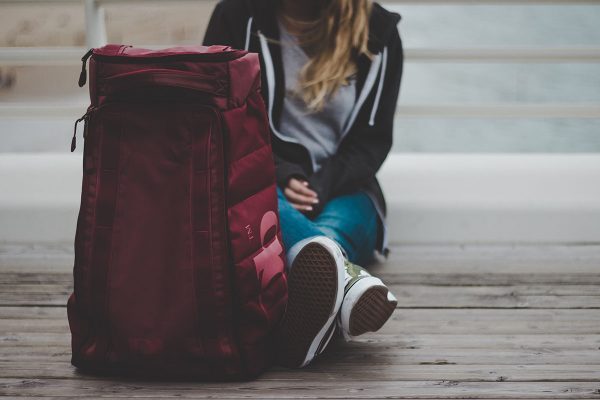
(377, 66)
(270, 72)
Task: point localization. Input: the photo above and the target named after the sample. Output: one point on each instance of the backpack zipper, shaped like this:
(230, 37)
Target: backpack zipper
(85, 117)
(83, 74)
(209, 57)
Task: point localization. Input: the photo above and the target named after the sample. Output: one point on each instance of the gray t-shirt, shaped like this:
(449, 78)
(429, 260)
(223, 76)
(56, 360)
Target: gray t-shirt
(319, 131)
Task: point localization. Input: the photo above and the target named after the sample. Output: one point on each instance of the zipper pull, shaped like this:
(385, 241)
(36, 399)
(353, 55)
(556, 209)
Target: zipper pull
(83, 117)
(83, 75)
(74, 140)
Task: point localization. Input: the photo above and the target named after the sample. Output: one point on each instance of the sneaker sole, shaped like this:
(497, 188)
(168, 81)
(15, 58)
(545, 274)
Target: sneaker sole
(371, 311)
(313, 285)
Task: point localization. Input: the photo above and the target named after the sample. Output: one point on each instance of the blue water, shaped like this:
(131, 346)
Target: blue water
(447, 26)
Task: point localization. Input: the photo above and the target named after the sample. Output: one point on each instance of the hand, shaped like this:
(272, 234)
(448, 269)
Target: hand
(300, 196)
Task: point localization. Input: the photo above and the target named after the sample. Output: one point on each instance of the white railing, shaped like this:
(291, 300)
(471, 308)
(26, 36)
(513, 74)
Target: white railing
(72, 55)
(500, 110)
(96, 36)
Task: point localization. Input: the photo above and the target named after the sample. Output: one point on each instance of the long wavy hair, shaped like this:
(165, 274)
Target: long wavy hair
(333, 42)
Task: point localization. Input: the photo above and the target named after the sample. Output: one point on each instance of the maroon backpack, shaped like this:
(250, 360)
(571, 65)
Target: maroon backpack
(179, 263)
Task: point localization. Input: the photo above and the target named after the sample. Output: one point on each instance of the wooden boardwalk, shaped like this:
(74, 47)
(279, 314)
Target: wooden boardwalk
(472, 322)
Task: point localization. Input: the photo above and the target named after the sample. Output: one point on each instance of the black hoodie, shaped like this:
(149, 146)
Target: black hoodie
(246, 24)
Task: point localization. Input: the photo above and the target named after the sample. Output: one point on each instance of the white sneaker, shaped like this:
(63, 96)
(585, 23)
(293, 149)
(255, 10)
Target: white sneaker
(367, 303)
(315, 294)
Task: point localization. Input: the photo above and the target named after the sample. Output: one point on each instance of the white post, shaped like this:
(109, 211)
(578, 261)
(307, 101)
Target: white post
(95, 29)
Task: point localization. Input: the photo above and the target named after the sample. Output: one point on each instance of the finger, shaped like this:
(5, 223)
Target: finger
(301, 187)
(301, 207)
(296, 197)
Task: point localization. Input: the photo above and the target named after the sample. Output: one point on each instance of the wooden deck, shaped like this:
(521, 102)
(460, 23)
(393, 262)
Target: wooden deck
(472, 322)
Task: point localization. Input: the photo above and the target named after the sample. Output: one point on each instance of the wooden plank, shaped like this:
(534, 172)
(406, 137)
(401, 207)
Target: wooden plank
(293, 388)
(533, 342)
(434, 321)
(410, 296)
(36, 288)
(516, 296)
(37, 299)
(35, 278)
(524, 290)
(491, 259)
(492, 279)
(406, 259)
(493, 321)
(381, 351)
(391, 275)
(378, 353)
(373, 354)
(320, 371)
(33, 312)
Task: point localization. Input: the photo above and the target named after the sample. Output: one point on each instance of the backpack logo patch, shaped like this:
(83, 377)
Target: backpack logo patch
(269, 261)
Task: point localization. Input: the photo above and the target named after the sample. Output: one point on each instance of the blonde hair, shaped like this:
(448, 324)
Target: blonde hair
(333, 42)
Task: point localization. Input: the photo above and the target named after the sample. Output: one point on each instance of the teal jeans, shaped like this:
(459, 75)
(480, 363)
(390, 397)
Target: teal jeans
(351, 220)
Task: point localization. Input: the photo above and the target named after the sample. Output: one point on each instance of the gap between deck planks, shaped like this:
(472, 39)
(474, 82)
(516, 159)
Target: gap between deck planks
(473, 321)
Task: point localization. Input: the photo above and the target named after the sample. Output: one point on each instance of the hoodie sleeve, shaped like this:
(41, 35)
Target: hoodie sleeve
(286, 170)
(362, 152)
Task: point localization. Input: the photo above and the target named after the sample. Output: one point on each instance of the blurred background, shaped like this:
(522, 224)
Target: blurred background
(497, 134)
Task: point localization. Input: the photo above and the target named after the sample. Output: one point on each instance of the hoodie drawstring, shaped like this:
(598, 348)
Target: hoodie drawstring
(248, 31)
(379, 87)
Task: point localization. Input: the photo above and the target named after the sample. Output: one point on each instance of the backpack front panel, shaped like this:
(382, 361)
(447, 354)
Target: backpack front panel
(178, 253)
